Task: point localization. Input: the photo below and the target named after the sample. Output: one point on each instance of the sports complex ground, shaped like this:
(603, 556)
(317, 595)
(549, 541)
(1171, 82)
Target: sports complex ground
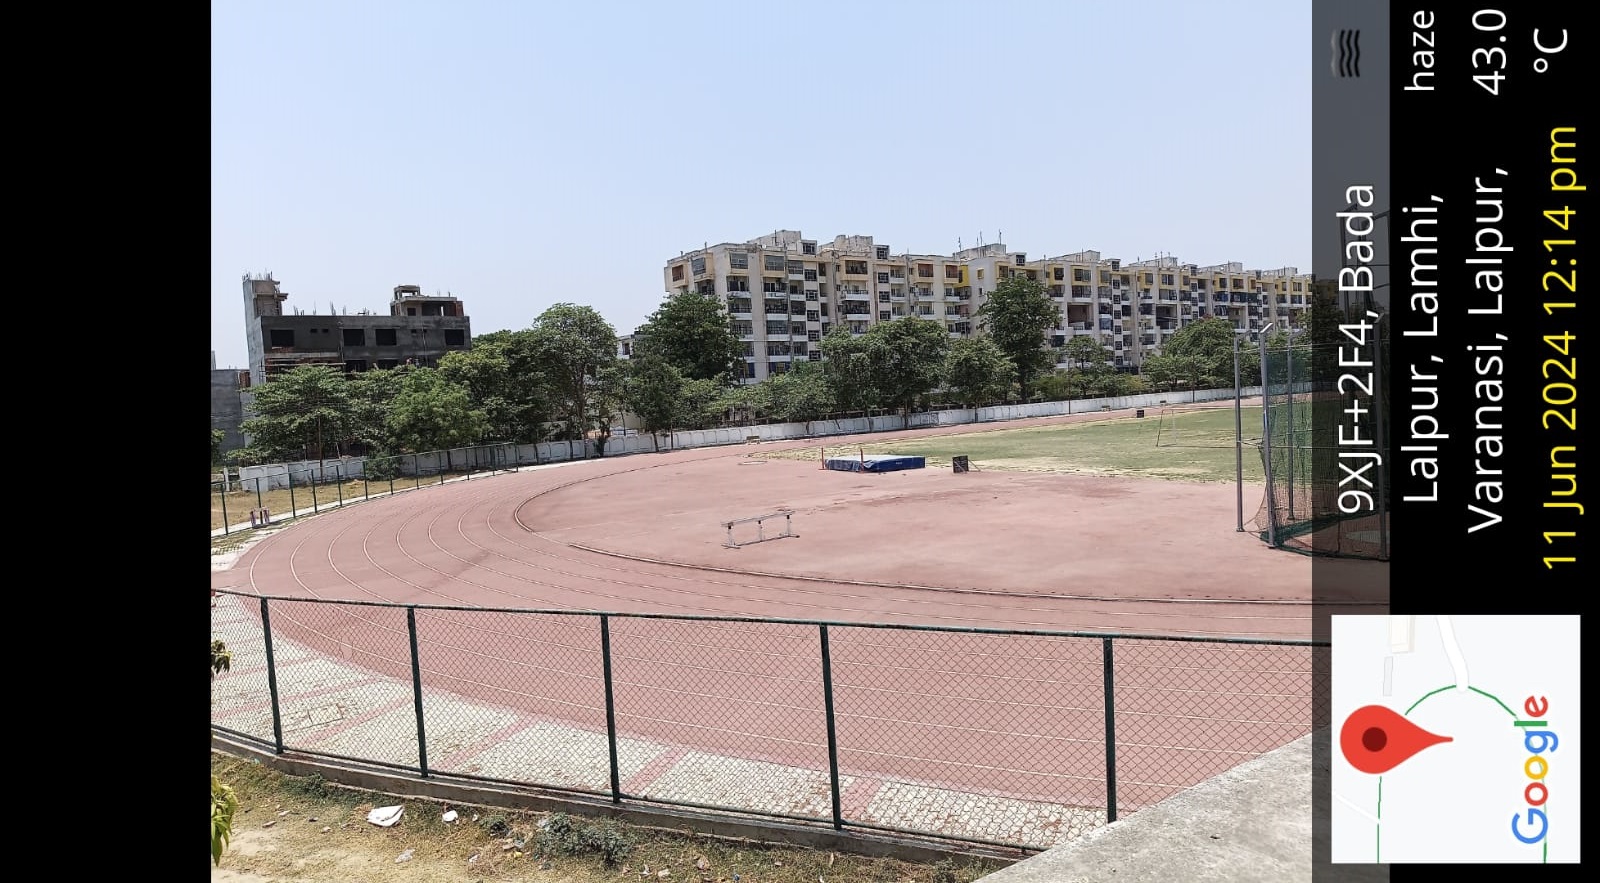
(1060, 527)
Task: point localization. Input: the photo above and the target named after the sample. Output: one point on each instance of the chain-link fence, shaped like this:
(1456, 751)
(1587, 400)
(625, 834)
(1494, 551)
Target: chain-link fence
(255, 496)
(1022, 739)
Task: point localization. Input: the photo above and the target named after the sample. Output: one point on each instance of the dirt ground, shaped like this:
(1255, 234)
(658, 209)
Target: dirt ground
(292, 830)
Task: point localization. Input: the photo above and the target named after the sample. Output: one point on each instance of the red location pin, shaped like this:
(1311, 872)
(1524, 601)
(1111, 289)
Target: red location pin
(1376, 740)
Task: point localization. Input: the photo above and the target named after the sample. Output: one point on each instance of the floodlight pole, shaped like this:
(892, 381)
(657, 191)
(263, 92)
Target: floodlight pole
(1238, 437)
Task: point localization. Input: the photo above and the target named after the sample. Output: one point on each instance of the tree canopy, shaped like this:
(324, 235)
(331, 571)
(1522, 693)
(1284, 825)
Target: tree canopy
(690, 332)
(1017, 314)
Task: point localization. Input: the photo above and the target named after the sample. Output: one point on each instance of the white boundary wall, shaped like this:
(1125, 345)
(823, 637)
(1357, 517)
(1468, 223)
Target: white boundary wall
(506, 456)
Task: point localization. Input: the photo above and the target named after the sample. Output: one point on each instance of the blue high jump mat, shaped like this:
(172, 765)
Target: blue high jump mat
(875, 463)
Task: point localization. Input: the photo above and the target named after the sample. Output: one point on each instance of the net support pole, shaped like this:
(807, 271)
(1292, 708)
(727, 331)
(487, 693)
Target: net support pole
(1288, 367)
(1266, 440)
(1238, 437)
(1378, 440)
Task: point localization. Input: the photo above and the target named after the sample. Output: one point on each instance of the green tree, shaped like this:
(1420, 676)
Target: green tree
(691, 333)
(224, 802)
(217, 436)
(606, 397)
(1086, 354)
(430, 413)
(705, 403)
(848, 364)
(977, 372)
(572, 346)
(654, 391)
(502, 373)
(1161, 371)
(907, 357)
(1017, 314)
(1210, 341)
(799, 395)
(372, 394)
(303, 411)
(1057, 386)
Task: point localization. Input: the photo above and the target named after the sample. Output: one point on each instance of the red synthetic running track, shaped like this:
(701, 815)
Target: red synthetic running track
(1013, 715)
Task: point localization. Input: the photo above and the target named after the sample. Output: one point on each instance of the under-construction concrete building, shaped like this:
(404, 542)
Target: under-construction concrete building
(419, 329)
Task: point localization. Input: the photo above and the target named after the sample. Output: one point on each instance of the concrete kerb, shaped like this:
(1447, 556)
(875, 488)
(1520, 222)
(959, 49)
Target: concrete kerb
(696, 823)
(1251, 824)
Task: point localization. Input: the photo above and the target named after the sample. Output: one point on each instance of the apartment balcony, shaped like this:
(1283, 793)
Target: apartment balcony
(897, 297)
(1057, 291)
(856, 294)
(778, 316)
(796, 272)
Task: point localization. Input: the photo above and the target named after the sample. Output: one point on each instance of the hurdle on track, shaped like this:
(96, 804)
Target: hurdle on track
(761, 531)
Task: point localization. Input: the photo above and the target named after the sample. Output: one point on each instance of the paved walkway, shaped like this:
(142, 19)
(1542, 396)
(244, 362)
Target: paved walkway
(330, 705)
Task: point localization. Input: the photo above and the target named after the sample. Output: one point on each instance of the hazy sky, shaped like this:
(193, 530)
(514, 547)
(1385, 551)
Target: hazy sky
(519, 154)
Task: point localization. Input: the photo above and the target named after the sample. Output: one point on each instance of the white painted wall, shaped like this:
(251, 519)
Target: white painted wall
(493, 457)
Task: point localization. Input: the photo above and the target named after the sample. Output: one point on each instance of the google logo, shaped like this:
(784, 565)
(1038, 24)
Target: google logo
(1536, 767)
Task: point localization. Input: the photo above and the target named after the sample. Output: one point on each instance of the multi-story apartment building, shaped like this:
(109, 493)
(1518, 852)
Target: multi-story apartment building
(419, 329)
(784, 292)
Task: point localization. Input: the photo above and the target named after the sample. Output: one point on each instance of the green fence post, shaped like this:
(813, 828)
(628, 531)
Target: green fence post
(272, 679)
(314, 478)
(416, 692)
(366, 483)
(416, 469)
(1111, 733)
(611, 707)
(259, 503)
(224, 504)
(338, 480)
(833, 739)
(446, 466)
(392, 472)
(292, 507)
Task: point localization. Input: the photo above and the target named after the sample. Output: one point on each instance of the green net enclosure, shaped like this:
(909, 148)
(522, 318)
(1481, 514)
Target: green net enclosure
(1303, 410)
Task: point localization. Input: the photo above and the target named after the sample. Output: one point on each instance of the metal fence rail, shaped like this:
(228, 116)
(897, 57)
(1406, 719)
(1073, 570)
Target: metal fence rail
(1009, 738)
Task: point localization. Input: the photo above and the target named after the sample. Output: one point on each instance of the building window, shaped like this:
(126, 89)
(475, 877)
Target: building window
(776, 327)
(883, 315)
(387, 364)
(355, 337)
(353, 365)
(925, 271)
(455, 337)
(773, 262)
(808, 248)
(858, 268)
(697, 265)
(883, 297)
(411, 311)
(385, 337)
(677, 273)
(280, 337)
(739, 260)
(882, 252)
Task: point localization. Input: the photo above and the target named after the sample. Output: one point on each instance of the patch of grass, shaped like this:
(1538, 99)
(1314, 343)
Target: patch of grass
(1186, 445)
(298, 830)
